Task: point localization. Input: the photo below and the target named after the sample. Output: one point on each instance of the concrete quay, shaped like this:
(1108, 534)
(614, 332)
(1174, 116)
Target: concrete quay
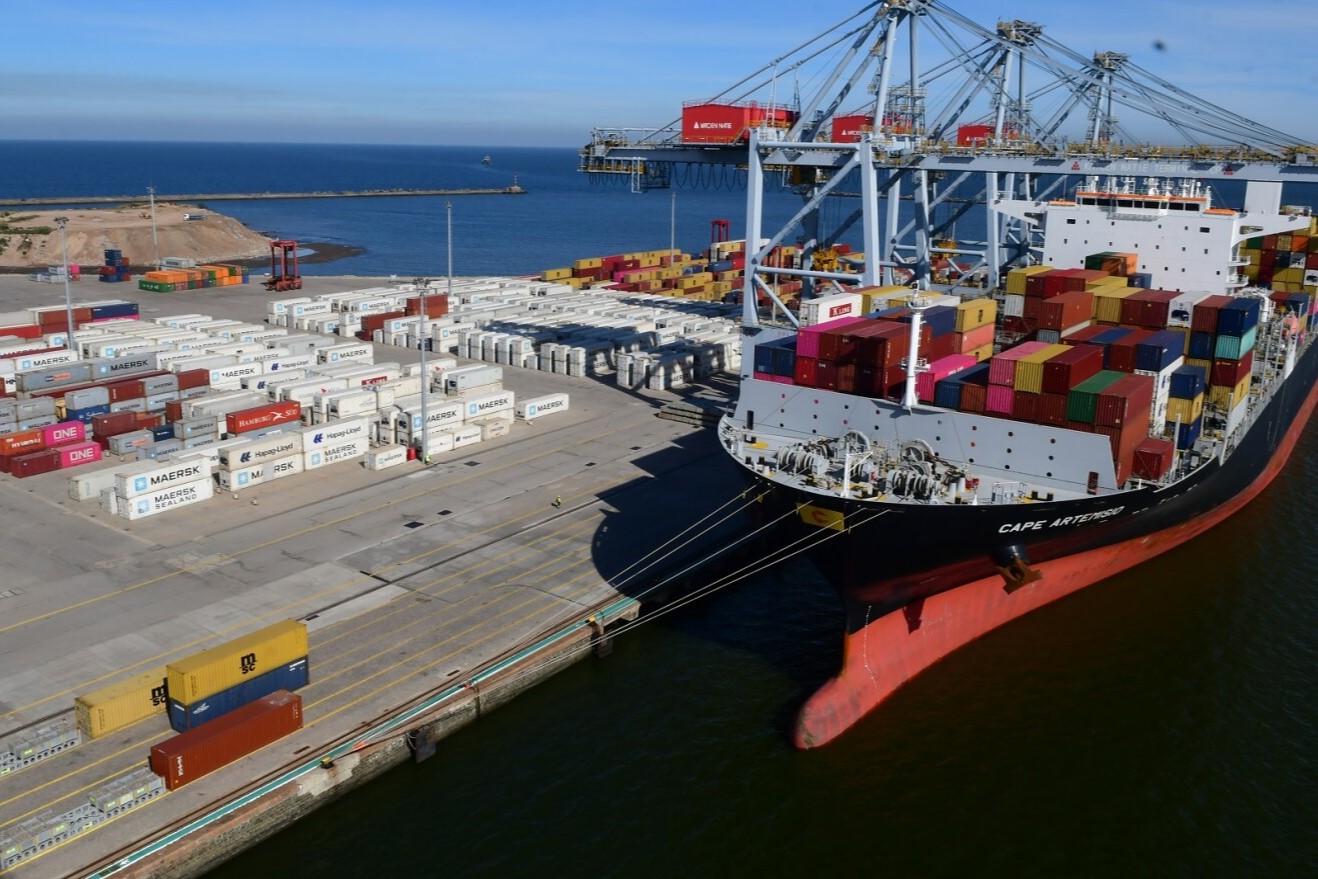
(432, 595)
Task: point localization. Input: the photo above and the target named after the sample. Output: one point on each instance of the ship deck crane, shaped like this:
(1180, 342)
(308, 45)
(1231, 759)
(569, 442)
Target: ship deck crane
(943, 116)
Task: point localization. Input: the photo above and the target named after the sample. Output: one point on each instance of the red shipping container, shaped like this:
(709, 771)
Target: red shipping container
(21, 441)
(1052, 409)
(826, 375)
(78, 453)
(848, 129)
(846, 378)
(1126, 403)
(1203, 319)
(23, 331)
(144, 420)
(1121, 353)
(197, 752)
(973, 398)
(884, 345)
(128, 389)
(193, 378)
(1063, 371)
(1229, 373)
(373, 322)
(1025, 406)
(973, 135)
(1065, 310)
(1153, 458)
(729, 123)
(173, 410)
(436, 304)
(806, 372)
(1147, 308)
(63, 433)
(1034, 284)
(260, 417)
(34, 463)
(1084, 335)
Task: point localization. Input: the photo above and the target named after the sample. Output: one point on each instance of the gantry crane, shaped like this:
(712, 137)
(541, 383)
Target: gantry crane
(916, 139)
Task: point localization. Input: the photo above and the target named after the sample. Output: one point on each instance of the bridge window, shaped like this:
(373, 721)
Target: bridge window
(1204, 229)
(1070, 221)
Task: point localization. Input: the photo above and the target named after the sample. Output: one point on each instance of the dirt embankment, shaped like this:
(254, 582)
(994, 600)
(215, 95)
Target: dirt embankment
(31, 239)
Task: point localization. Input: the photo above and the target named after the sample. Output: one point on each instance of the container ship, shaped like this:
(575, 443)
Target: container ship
(954, 463)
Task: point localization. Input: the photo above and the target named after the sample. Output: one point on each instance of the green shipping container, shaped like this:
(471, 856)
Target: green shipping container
(1082, 400)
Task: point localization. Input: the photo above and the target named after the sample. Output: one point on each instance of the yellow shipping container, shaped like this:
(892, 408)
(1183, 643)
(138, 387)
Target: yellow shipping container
(1284, 243)
(121, 704)
(974, 313)
(982, 353)
(1029, 369)
(1289, 276)
(1229, 397)
(219, 668)
(1016, 277)
(1185, 411)
(1107, 302)
(592, 262)
(556, 274)
(1107, 281)
(1202, 363)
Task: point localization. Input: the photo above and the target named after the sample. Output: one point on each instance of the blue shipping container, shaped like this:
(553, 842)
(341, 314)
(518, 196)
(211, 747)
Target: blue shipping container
(1238, 317)
(86, 415)
(1159, 350)
(1203, 345)
(287, 677)
(1187, 382)
(1188, 433)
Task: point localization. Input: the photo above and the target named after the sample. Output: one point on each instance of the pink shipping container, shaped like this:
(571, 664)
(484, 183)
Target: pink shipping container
(64, 433)
(77, 454)
(1001, 400)
(807, 339)
(939, 370)
(197, 752)
(1002, 366)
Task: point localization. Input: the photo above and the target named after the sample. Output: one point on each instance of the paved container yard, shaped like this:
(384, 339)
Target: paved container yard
(411, 579)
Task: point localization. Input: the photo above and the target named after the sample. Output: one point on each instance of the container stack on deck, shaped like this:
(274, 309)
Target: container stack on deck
(1285, 263)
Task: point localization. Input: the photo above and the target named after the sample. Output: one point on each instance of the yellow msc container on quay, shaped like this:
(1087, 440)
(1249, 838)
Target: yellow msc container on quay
(227, 665)
(121, 704)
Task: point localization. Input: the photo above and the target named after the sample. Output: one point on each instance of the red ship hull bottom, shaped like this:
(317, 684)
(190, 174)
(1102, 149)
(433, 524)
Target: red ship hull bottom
(886, 653)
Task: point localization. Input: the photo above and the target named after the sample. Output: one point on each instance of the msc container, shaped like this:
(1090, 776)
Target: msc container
(192, 754)
(121, 704)
(228, 665)
(261, 417)
(386, 456)
(528, 410)
(166, 499)
(291, 676)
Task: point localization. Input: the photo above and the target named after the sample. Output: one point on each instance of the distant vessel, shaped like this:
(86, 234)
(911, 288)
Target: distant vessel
(945, 490)
(487, 161)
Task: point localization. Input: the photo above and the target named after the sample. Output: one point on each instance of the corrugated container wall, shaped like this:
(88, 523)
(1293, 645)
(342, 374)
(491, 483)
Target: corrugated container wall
(190, 755)
(121, 704)
(227, 665)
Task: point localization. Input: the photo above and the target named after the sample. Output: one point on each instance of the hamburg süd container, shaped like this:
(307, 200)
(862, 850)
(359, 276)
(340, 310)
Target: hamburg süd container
(290, 676)
(121, 704)
(190, 755)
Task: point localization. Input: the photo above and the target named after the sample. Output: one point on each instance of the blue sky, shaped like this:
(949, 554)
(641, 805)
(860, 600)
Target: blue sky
(505, 72)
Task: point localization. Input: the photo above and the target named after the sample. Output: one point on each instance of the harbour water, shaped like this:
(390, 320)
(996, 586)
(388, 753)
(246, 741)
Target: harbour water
(1160, 723)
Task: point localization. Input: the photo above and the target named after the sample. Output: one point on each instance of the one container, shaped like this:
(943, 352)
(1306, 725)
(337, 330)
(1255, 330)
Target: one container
(121, 704)
(290, 676)
(195, 753)
(77, 454)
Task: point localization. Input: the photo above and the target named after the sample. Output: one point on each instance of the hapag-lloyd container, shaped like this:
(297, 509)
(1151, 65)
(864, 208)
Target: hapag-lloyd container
(161, 477)
(166, 499)
(484, 405)
(350, 450)
(121, 704)
(259, 474)
(537, 406)
(190, 755)
(264, 381)
(493, 427)
(254, 452)
(226, 665)
(334, 432)
(466, 435)
(77, 454)
(290, 362)
(292, 676)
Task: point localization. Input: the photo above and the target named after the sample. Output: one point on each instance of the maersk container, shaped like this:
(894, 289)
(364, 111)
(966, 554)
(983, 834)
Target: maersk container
(437, 415)
(227, 665)
(207, 362)
(160, 450)
(484, 405)
(528, 410)
(305, 343)
(121, 704)
(232, 375)
(466, 377)
(438, 441)
(284, 306)
(291, 676)
(161, 477)
(334, 453)
(88, 486)
(190, 755)
(387, 456)
(243, 477)
(43, 360)
(267, 354)
(159, 384)
(166, 499)
(360, 352)
(252, 452)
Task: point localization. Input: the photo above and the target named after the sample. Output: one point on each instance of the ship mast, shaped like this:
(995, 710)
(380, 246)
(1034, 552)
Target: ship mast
(917, 304)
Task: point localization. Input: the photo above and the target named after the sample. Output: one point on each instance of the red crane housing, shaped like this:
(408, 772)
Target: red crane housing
(283, 267)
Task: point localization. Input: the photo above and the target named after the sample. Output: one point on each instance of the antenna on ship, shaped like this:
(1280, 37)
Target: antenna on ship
(917, 304)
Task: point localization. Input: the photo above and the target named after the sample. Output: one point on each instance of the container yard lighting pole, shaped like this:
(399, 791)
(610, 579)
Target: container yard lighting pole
(672, 226)
(155, 246)
(425, 377)
(63, 223)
